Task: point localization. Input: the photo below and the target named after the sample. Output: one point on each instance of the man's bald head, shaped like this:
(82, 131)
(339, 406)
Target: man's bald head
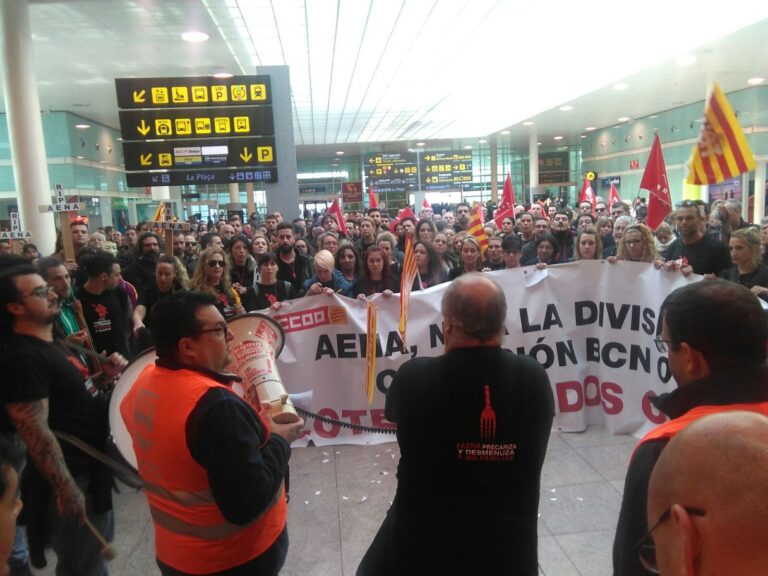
(718, 464)
(476, 305)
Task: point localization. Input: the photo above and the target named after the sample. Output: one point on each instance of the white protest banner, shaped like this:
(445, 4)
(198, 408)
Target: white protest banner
(589, 323)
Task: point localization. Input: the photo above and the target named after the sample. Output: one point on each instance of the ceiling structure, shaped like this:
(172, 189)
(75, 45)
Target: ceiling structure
(375, 71)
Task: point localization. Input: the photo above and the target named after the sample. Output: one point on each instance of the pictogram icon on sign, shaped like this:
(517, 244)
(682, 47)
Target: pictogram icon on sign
(245, 155)
(203, 125)
(143, 128)
(199, 94)
(160, 95)
(139, 96)
(264, 153)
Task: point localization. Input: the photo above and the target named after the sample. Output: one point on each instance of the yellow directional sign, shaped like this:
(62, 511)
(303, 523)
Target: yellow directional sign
(264, 154)
(165, 160)
(200, 94)
(197, 122)
(200, 153)
(143, 128)
(180, 94)
(160, 95)
(139, 96)
(199, 91)
(146, 159)
(245, 155)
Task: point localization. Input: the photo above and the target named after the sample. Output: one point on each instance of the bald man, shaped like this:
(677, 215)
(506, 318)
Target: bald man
(472, 426)
(714, 333)
(706, 499)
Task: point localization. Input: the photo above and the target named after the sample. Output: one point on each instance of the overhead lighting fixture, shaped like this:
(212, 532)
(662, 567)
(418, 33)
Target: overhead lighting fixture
(421, 143)
(590, 128)
(482, 141)
(755, 81)
(623, 119)
(79, 157)
(583, 136)
(566, 108)
(686, 60)
(504, 132)
(223, 75)
(620, 86)
(468, 147)
(194, 36)
(528, 123)
(82, 126)
(339, 152)
(558, 137)
(538, 143)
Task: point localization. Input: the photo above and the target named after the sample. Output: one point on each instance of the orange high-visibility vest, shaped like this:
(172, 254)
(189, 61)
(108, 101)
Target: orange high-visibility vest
(191, 534)
(672, 427)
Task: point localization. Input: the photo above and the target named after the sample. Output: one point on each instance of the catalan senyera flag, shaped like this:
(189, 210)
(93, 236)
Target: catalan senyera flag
(159, 215)
(722, 151)
(477, 230)
(370, 352)
(409, 272)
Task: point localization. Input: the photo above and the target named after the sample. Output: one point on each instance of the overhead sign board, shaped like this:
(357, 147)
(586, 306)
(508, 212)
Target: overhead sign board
(444, 170)
(184, 154)
(196, 130)
(188, 92)
(391, 172)
(200, 177)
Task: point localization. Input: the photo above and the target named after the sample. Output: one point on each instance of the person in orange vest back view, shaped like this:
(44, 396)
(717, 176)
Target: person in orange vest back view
(706, 499)
(212, 467)
(714, 334)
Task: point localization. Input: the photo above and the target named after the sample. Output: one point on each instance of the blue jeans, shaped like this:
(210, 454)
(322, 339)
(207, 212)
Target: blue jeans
(77, 551)
(19, 560)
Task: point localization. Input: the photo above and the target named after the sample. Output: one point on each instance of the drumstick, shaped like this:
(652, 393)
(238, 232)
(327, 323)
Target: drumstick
(86, 351)
(107, 551)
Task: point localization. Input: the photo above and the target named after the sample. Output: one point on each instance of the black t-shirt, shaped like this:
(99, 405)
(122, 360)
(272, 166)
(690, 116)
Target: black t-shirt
(705, 256)
(32, 370)
(106, 315)
(148, 297)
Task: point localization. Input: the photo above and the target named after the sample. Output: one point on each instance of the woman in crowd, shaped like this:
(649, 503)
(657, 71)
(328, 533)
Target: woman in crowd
(546, 249)
(348, 264)
(507, 226)
(430, 268)
(302, 246)
(268, 292)
(327, 279)
(447, 258)
(663, 238)
(30, 253)
(604, 227)
(168, 279)
(471, 259)
(259, 245)
(425, 231)
(637, 244)
(377, 275)
(242, 266)
(212, 276)
(748, 268)
(387, 242)
(588, 245)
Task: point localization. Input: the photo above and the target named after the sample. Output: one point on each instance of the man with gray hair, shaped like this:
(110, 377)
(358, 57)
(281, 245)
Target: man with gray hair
(473, 427)
(706, 499)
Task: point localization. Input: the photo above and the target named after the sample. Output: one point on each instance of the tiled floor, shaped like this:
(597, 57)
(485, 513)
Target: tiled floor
(339, 496)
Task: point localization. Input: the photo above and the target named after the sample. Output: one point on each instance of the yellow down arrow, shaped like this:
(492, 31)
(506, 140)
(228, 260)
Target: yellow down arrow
(146, 159)
(140, 96)
(245, 155)
(143, 128)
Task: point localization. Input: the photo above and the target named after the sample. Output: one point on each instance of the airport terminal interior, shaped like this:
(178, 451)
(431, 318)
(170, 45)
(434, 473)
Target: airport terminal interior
(112, 105)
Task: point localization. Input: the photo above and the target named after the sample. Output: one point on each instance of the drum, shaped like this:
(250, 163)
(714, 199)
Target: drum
(258, 342)
(124, 384)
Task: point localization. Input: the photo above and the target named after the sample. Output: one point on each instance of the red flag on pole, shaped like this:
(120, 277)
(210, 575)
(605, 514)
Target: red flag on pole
(335, 211)
(507, 196)
(587, 195)
(425, 205)
(501, 214)
(372, 202)
(614, 197)
(655, 181)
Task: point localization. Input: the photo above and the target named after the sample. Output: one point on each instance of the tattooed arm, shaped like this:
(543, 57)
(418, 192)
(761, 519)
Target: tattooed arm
(31, 420)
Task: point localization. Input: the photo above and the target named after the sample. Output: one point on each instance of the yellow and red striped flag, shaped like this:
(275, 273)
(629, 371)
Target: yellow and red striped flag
(477, 230)
(370, 352)
(159, 213)
(409, 272)
(722, 151)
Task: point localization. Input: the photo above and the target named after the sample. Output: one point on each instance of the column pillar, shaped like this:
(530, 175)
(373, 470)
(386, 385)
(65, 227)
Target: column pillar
(494, 170)
(25, 127)
(533, 163)
(759, 191)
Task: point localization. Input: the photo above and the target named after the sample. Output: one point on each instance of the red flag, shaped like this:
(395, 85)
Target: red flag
(335, 211)
(372, 202)
(614, 197)
(408, 275)
(402, 215)
(507, 196)
(655, 181)
(477, 230)
(587, 195)
(501, 214)
(425, 205)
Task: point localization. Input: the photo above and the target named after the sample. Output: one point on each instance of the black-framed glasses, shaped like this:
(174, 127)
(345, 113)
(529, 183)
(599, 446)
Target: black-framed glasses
(40, 292)
(220, 330)
(662, 345)
(216, 263)
(646, 548)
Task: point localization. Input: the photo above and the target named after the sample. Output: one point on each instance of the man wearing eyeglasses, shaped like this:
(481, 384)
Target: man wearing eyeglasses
(714, 333)
(213, 467)
(708, 513)
(46, 387)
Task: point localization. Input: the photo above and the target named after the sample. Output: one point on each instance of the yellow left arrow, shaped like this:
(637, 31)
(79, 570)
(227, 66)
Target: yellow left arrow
(146, 159)
(245, 155)
(140, 96)
(143, 128)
